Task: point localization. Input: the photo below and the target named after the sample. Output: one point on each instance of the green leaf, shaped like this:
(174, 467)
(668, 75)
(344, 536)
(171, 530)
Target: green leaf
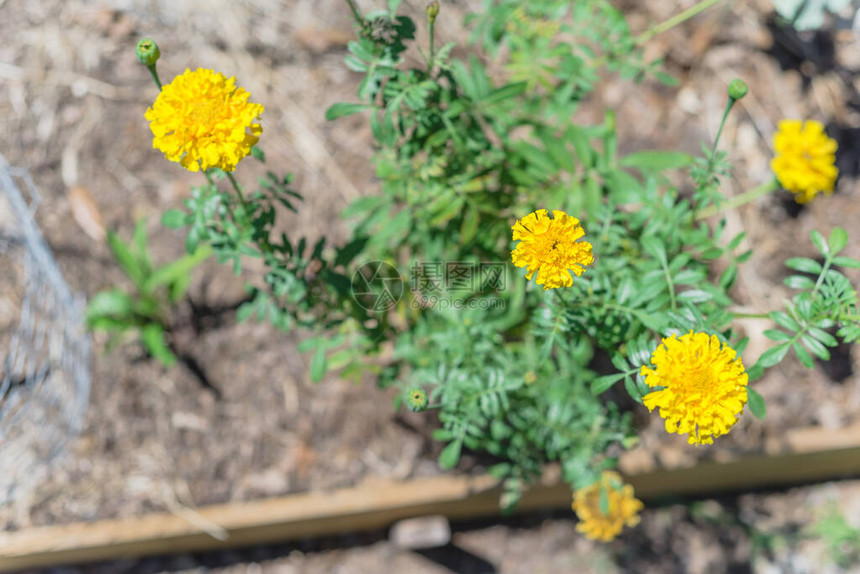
(799, 282)
(689, 276)
(623, 187)
(579, 138)
(114, 303)
(816, 347)
(820, 242)
(500, 470)
(178, 270)
(450, 455)
(655, 247)
(838, 240)
(805, 265)
(557, 149)
(506, 92)
(363, 205)
(174, 219)
(733, 244)
(601, 384)
(823, 336)
(126, 260)
(620, 362)
(756, 403)
(342, 109)
(632, 390)
(192, 240)
(783, 320)
(469, 227)
(803, 355)
(153, 339)
(694, 296)
(773, 355)
(847, 262)
(318, 364)
(650, 160)
(141, 247)
(777, 335)
(755, 372)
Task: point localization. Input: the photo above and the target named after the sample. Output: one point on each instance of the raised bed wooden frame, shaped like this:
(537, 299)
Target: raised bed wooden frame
(816, 455)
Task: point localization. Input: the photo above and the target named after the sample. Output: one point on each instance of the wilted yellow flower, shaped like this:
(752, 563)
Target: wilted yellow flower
(550, 247)
(805, 157)
(604, 519)
(704, 386)
(202, 120)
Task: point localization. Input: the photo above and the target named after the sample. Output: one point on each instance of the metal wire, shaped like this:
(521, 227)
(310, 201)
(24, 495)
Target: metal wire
(44, 349)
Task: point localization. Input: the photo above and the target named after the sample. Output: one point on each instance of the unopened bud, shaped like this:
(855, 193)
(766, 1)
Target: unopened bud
(416, 400)
(432, 11)
(738, 89)
(147, 52)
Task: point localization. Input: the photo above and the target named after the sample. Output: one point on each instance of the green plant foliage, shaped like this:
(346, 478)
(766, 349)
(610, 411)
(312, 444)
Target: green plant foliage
(146, 309)
(826, 301)
(463, 149)
(841, 538)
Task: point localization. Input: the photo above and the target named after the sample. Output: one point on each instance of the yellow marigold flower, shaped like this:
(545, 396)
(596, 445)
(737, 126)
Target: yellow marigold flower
(202, 120)
(618, 502)
(805, 157)
(550, 247)
(704, 386)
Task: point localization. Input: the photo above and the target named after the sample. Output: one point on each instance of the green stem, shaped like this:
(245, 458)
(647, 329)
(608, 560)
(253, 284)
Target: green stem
(355, 13)
(827, 263)
(432, 27)
(668, 273)
(726, 111)
(675, 20)
(154, 73)
(239, 192)
(208, 177)
(750, 315)
(739, 200)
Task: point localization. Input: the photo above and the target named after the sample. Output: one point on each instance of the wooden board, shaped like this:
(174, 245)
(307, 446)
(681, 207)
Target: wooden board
(377, 504)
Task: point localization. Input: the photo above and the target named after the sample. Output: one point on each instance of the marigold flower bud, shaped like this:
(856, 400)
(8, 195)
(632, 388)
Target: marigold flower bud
(416, 400)
(738, 89)
(432, 11)
(530, 378)
(147, 52)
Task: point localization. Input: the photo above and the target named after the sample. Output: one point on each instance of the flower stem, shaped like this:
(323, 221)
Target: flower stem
(739, 200)
(729, 104)
(664, 26)
(675, 20)
(154, 73)
(432, 28)
(355, 13)
(208, 177)
(750, 315)
(239, 192)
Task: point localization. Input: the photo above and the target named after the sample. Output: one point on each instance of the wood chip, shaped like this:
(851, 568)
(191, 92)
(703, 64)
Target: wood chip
(86, 213)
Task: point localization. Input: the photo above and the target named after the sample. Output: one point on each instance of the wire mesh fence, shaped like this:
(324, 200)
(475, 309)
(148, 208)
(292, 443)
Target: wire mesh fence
(44, 349)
